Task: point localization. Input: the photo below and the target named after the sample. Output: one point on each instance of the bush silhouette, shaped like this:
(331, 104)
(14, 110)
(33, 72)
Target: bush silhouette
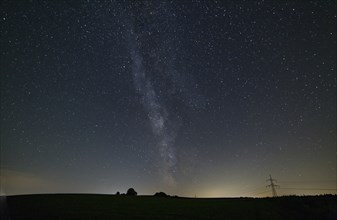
(160, 194)
(131, 192)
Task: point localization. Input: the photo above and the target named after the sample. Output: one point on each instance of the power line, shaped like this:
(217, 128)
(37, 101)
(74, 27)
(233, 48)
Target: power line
(258, 190)
(309, 181)
(272, 185)
(308, 188)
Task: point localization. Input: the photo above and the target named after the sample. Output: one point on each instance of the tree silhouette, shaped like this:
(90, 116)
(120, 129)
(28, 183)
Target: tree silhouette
(160, 194)
(131, 192)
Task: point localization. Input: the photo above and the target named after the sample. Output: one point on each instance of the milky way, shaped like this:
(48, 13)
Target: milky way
(152, 100)
(157, 115)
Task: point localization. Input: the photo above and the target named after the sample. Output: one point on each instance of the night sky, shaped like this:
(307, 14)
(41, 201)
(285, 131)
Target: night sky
(193, 98)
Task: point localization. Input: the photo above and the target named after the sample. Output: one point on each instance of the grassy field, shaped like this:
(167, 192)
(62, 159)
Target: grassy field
(87, 206)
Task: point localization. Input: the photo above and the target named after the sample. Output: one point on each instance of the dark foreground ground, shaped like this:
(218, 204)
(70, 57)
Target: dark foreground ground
(86, 206)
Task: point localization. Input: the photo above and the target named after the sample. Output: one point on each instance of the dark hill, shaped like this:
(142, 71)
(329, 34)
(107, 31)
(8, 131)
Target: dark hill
(87, 206)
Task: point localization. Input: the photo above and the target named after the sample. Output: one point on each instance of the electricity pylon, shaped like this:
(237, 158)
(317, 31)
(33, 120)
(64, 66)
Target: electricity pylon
(272, 185)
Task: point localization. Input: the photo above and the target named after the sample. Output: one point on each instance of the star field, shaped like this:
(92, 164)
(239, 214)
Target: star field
(201, 98)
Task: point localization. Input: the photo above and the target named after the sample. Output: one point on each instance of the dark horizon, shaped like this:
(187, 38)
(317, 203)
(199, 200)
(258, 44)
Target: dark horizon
(177, 196)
